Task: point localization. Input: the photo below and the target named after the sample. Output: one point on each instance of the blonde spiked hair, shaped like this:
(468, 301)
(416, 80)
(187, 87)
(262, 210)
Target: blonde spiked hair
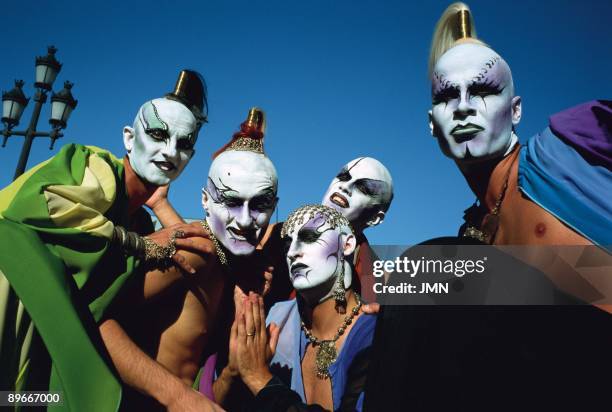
(455, 26)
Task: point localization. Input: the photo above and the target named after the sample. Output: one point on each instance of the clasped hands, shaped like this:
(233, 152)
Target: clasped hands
(252, 344)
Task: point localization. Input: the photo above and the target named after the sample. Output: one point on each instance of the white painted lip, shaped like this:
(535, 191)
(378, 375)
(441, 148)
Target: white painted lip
(164, 166)
(337, 199)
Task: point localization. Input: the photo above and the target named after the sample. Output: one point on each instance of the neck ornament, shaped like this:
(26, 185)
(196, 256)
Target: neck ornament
(220, 253)
(326, 352)
(490, 222)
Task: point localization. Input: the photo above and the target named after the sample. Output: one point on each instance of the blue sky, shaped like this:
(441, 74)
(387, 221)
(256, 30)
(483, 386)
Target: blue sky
(337, 79)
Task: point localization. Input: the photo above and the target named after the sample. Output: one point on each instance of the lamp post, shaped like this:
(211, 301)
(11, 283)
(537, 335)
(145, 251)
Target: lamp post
(15, 101)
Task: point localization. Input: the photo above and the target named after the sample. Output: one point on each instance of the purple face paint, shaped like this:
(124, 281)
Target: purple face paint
(362, 188)
(314, 255)
(240, 197)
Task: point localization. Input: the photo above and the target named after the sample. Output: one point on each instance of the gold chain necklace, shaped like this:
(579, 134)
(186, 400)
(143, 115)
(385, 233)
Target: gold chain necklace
(220, 253)
(490, 222)
(326, 353)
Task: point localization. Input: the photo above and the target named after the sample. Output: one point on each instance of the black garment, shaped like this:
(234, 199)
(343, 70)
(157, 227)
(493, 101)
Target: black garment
(430, 358)
(278, 397)
(274, 254)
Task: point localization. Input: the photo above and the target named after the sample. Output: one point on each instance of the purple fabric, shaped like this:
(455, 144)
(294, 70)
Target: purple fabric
(207, 377)
(588, 129)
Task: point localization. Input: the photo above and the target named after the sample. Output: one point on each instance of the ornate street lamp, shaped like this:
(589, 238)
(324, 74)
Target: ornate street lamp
(62, 104)
(15, 101)
(47, 68)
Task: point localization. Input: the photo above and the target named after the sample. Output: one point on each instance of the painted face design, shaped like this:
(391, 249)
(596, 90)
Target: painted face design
(362, 188)
(240, 197)
(314, 252)
(162, 142)
(472, 94)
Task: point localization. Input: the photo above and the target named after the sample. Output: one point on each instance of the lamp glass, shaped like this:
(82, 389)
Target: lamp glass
(45, 75)
(57, 110)
(12, 110)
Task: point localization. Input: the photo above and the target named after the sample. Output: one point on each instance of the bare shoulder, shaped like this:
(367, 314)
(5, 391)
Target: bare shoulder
(535, 225)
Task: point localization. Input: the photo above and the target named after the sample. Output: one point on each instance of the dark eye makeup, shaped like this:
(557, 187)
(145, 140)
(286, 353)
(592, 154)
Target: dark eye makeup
(262, 203)
(366, 187)
(344, 175)
(308, 235)
(484, 89)
(231, 201)
(445, 94)
(157, 134)
(184, 144)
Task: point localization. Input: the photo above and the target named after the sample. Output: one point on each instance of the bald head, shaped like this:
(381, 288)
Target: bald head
(362, 192)
(239, 198)
(161, 142)
(474, 105)
(474, 62)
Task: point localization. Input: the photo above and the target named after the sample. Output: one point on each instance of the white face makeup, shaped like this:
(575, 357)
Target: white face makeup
(161, 142)
(316, 253)
(361, 191)
(473, 101)
(239, 199)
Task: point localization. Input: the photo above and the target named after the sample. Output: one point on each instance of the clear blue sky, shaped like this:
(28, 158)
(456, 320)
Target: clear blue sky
(337, 79)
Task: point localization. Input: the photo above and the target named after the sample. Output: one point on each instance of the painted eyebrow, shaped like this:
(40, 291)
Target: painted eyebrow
(345, 173)
(220, 194)
(264, 197)
(486, 83)
(446, 89)
(266, 194)
(443, 93)
(151, 129)
(308, 234)
(443, 83)
(266, 191)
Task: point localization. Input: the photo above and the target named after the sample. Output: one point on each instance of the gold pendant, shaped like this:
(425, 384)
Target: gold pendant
(326, 355)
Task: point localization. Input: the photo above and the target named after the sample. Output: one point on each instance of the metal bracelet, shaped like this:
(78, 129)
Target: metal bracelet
(131, 243)
(157, 253)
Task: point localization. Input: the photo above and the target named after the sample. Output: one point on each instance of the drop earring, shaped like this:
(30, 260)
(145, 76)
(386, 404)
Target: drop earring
(339, 289)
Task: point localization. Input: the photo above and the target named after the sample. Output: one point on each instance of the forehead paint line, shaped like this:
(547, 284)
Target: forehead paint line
(316, 222)
(151, 118)
(488, 66)
(218, 194)
(356, 163)
(346, 170)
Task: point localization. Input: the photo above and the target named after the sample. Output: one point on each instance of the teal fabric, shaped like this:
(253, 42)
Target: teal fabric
(556, 177)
